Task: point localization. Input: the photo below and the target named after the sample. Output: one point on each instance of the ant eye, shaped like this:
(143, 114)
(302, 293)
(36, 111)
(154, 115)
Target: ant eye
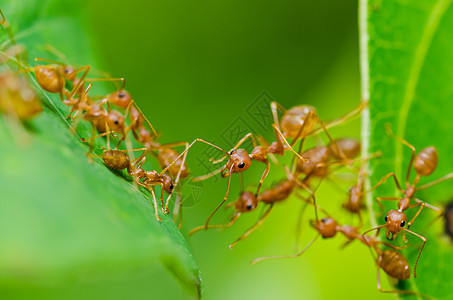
(324, 220)
(403, 223)
(249, 207)
(121, 95)
(232, 151)
(171, 186)
(116, 122)
(386, 218)
(241, 165)
(66, 71)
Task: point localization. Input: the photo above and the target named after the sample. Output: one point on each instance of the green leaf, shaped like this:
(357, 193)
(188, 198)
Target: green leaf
(63, 219)
(407, 74)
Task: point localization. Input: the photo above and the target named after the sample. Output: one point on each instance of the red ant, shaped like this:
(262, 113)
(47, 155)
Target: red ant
(240, 160)
(248, 201)
(299, 122)
(119, 160)
(424, 164)
(391, 261)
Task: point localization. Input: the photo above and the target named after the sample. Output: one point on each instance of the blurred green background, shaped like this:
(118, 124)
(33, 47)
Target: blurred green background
(195, 68)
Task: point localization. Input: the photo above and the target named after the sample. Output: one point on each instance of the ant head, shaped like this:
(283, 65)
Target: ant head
(426, 161)
(120, 98)
(240, 160)
(349, 146)
(167, 183)
(327, 227)
(49, 78)
(395, 221)
(115, 120)
(296, 117)
(246, 202)
(68, 72)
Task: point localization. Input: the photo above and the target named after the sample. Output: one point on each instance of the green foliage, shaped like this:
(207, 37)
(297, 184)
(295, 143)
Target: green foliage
(407, 74)
(62, 219)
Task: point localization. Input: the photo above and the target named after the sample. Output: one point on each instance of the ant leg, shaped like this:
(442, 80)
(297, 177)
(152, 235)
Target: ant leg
(421, 249)
(379, 199)
(391, 246)
(209, 175)
(298, 230)
(178, 208)
(108, 79)
(187, 149)
(286, 256)
(235, 217)
(349, 116)
(389, 131)
(281, 138)
(224, 199)
(154, 198)
(265, 173)
(389, 291)
(274, 107)
(177, 178)
(97, 136)
(257, 224)
(378, 228)
(301, 130)
(85, 70)
(427, 185)
(241, 141)
(383, 180)
(305, 187)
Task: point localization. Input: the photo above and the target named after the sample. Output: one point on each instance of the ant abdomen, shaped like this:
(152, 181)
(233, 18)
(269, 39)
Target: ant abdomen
(317, 158)
(394, 264)
(49, 79)
(17, 95)
(295, 117)
(116, 159)
(426, 161)
(349, 146)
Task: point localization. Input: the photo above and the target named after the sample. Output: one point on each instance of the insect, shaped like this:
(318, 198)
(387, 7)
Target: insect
(240, 160)
(248, 201)
(17, 98)
(424, 164)
(119, 160)
(299, 122)
(53, 77)
(391, 261)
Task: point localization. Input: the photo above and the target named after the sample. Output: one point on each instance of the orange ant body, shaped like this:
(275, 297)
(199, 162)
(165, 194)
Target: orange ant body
(17, 98)
(118, 160)
(424, 164)
(391, 261)
(248, 201)
(240, 160)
